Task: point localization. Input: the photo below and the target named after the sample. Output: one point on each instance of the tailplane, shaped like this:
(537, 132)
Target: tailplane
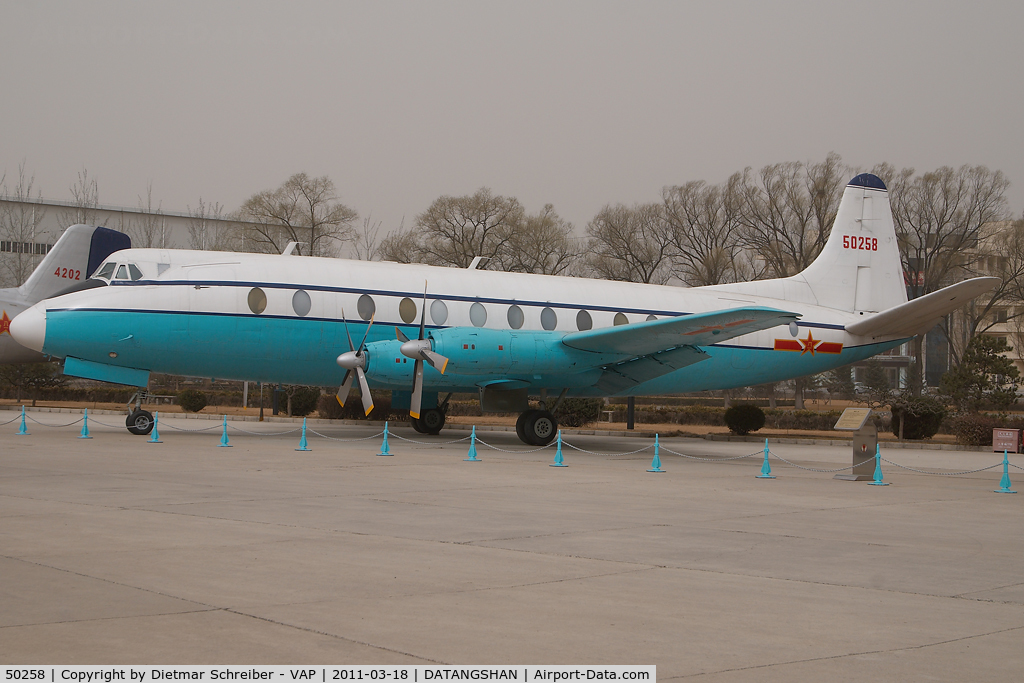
(75, 256)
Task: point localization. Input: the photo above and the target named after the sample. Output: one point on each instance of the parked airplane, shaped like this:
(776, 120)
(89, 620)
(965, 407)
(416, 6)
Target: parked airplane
(508, 336)
(78, 252)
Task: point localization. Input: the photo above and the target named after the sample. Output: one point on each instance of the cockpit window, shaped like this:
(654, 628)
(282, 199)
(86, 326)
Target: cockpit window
(134, 271)
(122, 272)
(106, 270)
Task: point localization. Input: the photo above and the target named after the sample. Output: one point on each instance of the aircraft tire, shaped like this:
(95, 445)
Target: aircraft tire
(139, 422)
(521, 425)
(540, 428)
(417, 424)
(432, 420)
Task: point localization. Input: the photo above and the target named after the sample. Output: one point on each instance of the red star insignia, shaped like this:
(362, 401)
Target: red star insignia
(5, 324)
(809, 343)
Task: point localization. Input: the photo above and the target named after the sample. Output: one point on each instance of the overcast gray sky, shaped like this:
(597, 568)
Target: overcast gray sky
(577, 104)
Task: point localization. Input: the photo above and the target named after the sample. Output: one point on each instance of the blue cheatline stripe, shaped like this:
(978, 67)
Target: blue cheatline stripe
(414, 296)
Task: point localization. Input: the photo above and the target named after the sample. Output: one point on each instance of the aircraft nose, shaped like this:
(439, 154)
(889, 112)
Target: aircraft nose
(29, 328)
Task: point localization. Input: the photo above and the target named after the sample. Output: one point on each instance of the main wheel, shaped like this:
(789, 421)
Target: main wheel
(139, 422)
(540, 428)
(432, 420)
(521, 425)
(417, 424)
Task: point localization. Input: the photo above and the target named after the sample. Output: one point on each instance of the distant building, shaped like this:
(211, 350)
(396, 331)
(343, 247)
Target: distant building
(29, 229)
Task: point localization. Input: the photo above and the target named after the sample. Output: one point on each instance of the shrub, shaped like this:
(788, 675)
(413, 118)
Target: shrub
(579, 412)
(744, 418)
(304, 400)
(974, 429)
(701, 415)
(921, 417)
(329, 408)
(191, 400)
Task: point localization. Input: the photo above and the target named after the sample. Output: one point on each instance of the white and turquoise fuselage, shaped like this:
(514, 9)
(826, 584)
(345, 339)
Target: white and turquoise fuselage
(202, 314)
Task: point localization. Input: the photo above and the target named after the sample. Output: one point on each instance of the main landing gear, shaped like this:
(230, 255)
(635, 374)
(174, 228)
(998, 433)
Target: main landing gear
(430, 421)
(139, 421)
(537, 427)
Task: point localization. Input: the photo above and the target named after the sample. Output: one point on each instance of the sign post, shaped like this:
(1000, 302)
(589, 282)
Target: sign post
(865, 440)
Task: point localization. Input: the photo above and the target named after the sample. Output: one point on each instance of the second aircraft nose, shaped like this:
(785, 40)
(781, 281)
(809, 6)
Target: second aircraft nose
(29, 328)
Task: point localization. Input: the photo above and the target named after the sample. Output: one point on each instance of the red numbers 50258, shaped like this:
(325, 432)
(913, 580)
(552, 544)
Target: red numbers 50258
(865, 243)
(68, 273)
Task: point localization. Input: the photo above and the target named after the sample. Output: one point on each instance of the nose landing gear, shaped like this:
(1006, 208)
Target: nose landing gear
(139, 421)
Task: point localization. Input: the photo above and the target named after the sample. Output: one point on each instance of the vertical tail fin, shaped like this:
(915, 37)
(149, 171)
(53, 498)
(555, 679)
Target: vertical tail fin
(75, 256)
(859, 269)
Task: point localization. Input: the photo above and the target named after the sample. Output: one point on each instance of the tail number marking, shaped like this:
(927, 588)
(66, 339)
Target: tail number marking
(68, 273)
(865, 243)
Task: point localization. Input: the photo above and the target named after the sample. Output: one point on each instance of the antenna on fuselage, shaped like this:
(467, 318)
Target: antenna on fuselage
(290, 249)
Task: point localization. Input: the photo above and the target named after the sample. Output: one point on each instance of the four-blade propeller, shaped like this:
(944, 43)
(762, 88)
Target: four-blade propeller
(420, 350)
(354, 362)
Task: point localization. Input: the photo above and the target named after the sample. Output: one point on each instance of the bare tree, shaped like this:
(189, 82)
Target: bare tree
(704, 225)
(455, 230)
(148, 228)
(543, 243)
(939, 217)
(303, 209)
(630, 243)
(19, 219)
(365, 244)
(1002, 256)
(85, 200)
(207, 229)
(788, 211)
(400, 246)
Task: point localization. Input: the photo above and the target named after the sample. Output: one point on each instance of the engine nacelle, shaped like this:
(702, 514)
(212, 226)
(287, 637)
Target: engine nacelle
(479, 351)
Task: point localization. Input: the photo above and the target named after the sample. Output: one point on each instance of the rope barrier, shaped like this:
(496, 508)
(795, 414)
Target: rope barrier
(185, 429)
(532, 450)
(813, 469)
(694, 457)
(584, 450)
(506, 450)
(246, 431)
(332, 438)
(46, 424)
(944, 474)
(429, 443)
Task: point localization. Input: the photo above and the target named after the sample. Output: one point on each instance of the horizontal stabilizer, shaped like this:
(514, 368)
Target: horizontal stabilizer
(920, 315)
(699, 329)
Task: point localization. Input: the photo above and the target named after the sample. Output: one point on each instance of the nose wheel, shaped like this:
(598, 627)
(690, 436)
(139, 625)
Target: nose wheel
(139, 422)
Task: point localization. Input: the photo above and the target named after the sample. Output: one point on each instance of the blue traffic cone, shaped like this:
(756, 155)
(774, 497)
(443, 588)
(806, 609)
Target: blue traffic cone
(154, 436)
(656, 462)
(85, 425)
(224, 436)
(303, 446)
(472, 447)
(559, 462)
(22, 430)
(878, 469)
(766, 469)
(1004, 483)
(384, 444)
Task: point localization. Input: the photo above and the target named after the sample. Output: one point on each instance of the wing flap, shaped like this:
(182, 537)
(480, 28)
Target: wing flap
(698, 329)
(921, 314)
(620, 376)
